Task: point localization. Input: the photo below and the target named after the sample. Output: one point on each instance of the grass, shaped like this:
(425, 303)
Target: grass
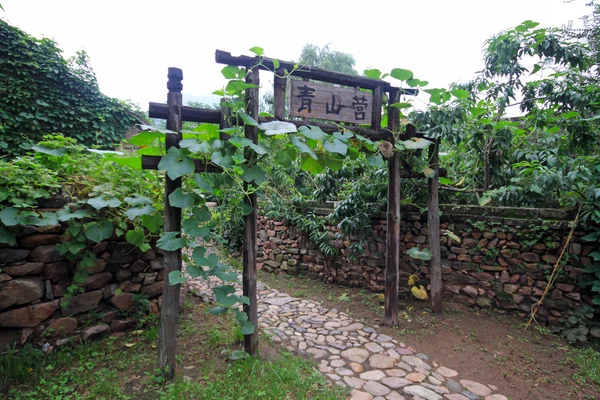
(587, 361)
(123, 368)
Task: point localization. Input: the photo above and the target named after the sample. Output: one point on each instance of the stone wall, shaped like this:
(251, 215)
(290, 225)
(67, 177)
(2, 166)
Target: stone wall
(34, 284)
(503, 259)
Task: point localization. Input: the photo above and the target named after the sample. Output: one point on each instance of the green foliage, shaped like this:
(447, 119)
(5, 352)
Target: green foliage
(44, 93)
(326, 58)
(587, 362)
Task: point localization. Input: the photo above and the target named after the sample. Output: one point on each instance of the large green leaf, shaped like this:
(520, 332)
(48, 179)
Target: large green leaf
(248, 120)
(254, 173)
(50, 151)
(65, 215)
(138, 200)
(146, 138)
(310, 164)
(104, 201)
(152, 222)
(373, 73)
(135, 237)
(302, 146)
(195, 146)
(193, 227)
(181, 199)
(247, 328)
(8, 216)
(424, 254)
(312, 132)
(176, 163)
(99, 230)
(401, 74)
(202, 184)
(135, 212)
(336, 146)
(7, 235)
(171, 241)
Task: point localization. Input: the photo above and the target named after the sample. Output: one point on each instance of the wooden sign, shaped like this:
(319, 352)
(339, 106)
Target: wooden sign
(321, 101)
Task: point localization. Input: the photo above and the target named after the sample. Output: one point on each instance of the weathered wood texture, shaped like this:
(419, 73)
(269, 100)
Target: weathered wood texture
(189, 114)
(167, 330)
(209, 116)
(433, 218)
(151, 162)
(392, 265)
(321, 101)
(376, 114)
(250, 223)
(279, 89)
(320, 74)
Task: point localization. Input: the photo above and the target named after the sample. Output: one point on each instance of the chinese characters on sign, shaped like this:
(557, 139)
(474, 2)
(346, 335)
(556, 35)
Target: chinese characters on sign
(317, 100)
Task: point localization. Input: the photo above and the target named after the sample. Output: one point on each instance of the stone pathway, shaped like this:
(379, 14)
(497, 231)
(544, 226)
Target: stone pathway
(373, 365)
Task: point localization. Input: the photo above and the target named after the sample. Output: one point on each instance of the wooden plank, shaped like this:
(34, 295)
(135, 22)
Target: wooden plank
(279, 89)
(321, 101)
(392, 264)
(169, 312)
(320, 74)
(151, 162)
(250, 223)
(433, 219)
(188, 114)
(376, 114)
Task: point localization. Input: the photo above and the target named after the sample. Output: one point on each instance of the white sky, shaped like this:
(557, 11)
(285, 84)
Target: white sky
(132, 42)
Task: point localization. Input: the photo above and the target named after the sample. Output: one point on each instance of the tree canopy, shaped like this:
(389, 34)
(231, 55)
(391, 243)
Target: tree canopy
(43, 93)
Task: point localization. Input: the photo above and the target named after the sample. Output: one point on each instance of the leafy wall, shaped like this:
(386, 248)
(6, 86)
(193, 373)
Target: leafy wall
(42, 93)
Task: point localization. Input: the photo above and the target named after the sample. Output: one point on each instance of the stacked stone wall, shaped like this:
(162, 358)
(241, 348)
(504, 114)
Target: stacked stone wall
(503, 259)
(35, 302)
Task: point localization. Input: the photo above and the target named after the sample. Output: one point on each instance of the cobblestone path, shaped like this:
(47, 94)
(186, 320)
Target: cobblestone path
(373, 365)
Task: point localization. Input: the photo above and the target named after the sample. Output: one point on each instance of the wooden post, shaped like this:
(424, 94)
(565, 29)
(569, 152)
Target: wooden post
(249, 251)
(167, 330)
(433, 218)
(376, 115)
(279, 89)
(392, 265)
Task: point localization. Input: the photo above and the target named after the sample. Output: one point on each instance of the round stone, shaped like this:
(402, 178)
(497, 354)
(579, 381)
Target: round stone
(396, 383)
(416, 377)
(356, 354)
(420, 391)
(379, 361)
(376, 388)
(358, 395)
(446, 372)
(374, 347)
(495, 397)
(375, 375)
(356, 367)
(453, 386)
(476, 388)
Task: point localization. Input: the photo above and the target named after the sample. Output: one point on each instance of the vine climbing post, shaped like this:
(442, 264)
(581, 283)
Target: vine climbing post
(433, 219)
(250, 221)
(392, 264)
(167, 330)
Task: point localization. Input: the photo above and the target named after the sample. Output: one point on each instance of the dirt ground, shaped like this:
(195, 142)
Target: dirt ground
(483, 345)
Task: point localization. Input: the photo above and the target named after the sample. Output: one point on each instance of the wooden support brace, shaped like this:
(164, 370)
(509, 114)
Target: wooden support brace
(392, 265)
(433, 219)
(250, 224)
(169, 312)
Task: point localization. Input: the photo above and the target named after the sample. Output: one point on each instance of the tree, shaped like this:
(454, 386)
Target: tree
(42, 93)
(326, 58)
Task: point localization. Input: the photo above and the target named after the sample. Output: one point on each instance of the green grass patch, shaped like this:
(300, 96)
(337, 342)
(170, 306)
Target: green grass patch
(286, 377)
(587, 361)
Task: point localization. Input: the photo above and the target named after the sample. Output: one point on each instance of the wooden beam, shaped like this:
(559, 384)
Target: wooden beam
(169, 311)
(151, 162)
(376, 115)
(392, 264)
(188, 114)
(433, 219)
(250, 225)
(193, 114)
(279, 89)
(319, 74)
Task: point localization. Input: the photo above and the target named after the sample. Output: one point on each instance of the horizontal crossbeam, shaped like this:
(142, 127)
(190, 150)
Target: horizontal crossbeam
(319, 74)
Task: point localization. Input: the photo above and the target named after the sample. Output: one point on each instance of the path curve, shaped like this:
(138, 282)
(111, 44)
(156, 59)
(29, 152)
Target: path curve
(373, 365)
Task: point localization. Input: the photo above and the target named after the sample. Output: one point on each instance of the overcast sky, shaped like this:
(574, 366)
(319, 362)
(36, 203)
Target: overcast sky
(132, 42)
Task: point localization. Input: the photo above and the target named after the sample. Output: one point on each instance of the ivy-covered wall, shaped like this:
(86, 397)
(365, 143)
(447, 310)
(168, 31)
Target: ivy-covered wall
(42, 93)
(503, 259)
(119, 291)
